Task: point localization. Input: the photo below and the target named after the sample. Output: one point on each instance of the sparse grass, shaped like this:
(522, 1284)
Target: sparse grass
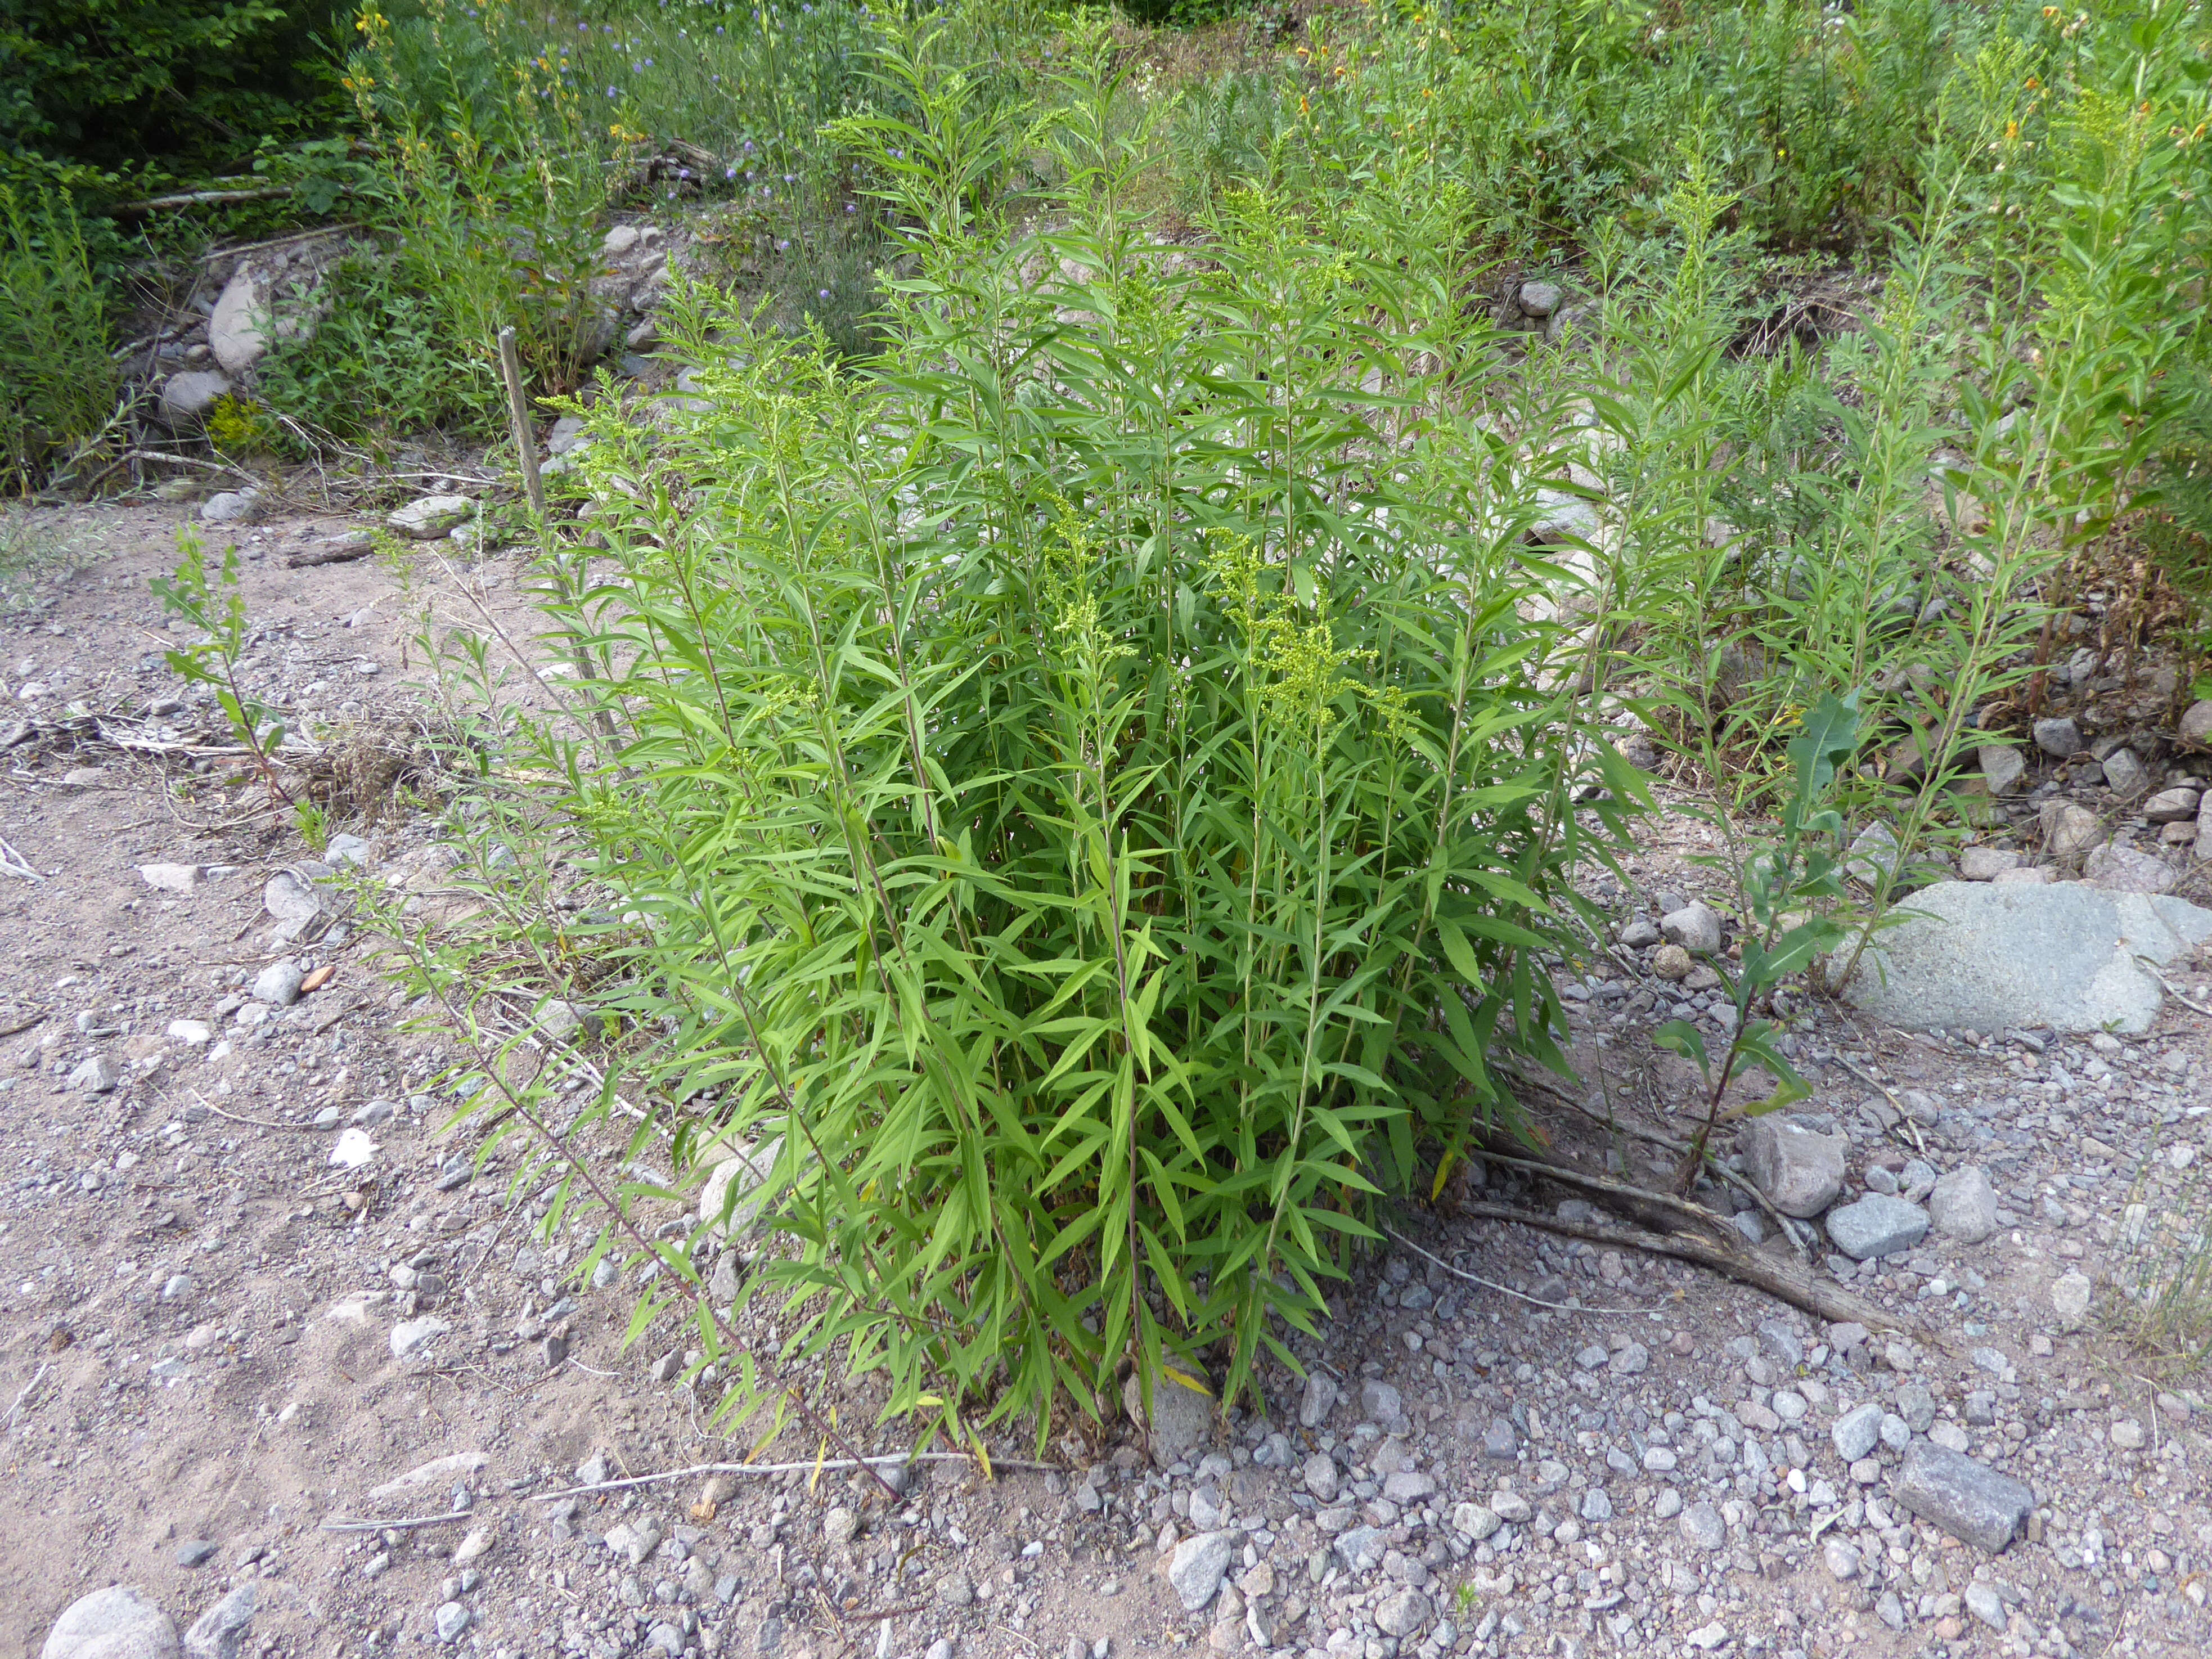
(35, 542)
(2163, 1269)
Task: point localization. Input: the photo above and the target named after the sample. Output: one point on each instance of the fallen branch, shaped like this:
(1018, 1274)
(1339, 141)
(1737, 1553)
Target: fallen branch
(183, 198)
(167, 460)
(21, 1395)
(215, 253)
(22, 1025)
(14, 864)
(828, 1466)
(337, 550)
(1639, 1202)
(341, 1524)
(1784, 1281)
(1681, 1149)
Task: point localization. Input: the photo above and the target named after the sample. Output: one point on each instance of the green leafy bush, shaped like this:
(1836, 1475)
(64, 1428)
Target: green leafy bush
(385, 360)
(1090, 804)
(58, 383)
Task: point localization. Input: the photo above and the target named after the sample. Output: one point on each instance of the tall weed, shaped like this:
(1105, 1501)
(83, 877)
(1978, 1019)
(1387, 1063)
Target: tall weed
(58, 382)
(1091, 803)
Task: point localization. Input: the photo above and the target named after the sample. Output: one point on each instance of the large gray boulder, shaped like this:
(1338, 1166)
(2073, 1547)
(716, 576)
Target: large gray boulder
(1999, 957)
(237, 331)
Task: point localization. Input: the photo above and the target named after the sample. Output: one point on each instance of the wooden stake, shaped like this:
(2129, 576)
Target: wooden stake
(517, 418)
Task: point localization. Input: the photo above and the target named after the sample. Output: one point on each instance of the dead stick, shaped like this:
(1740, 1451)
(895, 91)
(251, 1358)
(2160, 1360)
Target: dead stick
(339, 553)
(1680, 1148)
(834, 1464)
(518, 417)
(1637, 1198)
(343, 1525)
(1795, 1286)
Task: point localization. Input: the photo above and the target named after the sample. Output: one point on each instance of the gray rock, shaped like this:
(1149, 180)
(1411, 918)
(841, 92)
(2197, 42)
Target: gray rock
(1473, 1521)
(1971, 1501)
(1784, 1344)
(1404, 1486)
(2070, 1294)
(2003, 957)
(1630, 1359)
(196, 1552)
(451, 1619)
(429, 517)
(1501, 1442)
(291, 898)
(955, 1590)
(1964, 1205)
(2069, 829)
(1596, 1505)
(1985, 1604)
(409, 1335)
(1361, 1549)
(119, 1623)
(1986, 863)
(1407, 1614)
(279, 983)
(1872, 854)
(1510, 1506)
(2003, 767)
(1538, 300)
(1842, 1561)
(2118, 868)
(238, 329)
(666, 1640)
(1799, 1169)
(220, 1631)
(1916, 1408)
(1857, 1432)
(348, 852)
(1183, 1410)
(736, 1194)
(187, 398)
(2059, 737)
(1640, 934)
(2176, 806)
(1702, 1525)
(1318, 1401)
(171, 877)
(1379, 1402)
(1195, 1569)
(1696, 928)
(95, 1076)
(1322, 1478)
(1876, 1225)
(230, 507)
(2196, 726)
(2124, 776)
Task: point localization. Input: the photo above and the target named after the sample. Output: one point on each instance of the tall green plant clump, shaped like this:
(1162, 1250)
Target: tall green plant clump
(58, 383)
(1086, 796)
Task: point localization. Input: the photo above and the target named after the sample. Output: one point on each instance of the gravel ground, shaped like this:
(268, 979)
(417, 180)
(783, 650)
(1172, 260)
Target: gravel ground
(222, 1347)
